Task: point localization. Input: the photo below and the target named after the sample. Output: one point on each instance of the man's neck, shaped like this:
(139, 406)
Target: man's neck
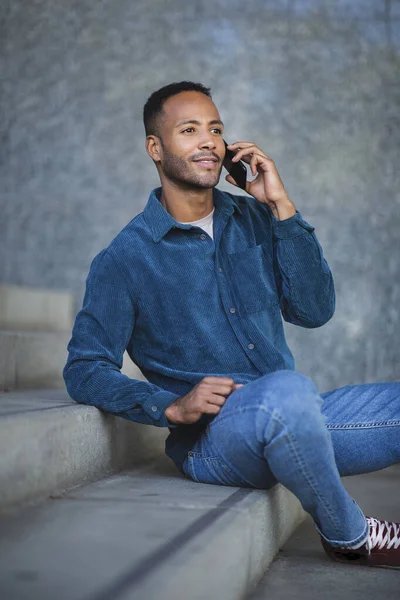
(186, 205)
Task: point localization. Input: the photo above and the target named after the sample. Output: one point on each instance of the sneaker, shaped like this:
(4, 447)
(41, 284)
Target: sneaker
(382, 548)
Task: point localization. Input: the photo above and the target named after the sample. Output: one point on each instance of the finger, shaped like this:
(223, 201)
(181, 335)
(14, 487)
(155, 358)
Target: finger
(224, 389)
(249, 151)
(254, 160)
(253, 164)
(242, 157)
(230, 179)
(257, 159)
(217, 400)
(245, 145)
(215, 379)
(237, 145)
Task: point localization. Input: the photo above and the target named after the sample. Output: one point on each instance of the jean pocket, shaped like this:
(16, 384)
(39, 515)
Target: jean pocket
(253, 278)
(210, 469)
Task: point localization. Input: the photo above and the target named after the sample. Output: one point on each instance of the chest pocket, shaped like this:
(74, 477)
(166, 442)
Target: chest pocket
(253, 278)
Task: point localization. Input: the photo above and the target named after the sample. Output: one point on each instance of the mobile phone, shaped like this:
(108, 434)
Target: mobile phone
(237, 170)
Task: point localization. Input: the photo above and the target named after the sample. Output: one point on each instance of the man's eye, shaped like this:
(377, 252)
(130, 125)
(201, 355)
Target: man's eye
(213, 129)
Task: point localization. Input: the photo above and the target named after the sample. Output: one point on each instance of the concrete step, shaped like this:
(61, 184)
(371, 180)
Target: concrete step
(25, 308)
(148, 533)
(49, 443)
(302, 571)
(32, 359)
(35, 359)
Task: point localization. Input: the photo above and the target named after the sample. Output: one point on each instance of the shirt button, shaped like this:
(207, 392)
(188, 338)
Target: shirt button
(203, 236)
(219, 269)
(251, 346)
(154, 408)
(233, 310)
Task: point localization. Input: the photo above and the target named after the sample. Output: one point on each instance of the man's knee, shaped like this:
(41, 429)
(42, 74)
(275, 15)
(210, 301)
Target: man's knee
(287, 391)
(289, 401)
(282, 400)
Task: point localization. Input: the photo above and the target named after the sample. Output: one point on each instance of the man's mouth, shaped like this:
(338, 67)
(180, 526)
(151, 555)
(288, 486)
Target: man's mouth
(207, 162)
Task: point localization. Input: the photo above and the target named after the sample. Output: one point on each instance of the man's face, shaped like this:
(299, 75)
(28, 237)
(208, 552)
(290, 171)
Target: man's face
(191, 130)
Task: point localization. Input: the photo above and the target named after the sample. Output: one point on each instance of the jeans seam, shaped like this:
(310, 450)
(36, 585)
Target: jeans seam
(309, 479)
(363, 425)
(192, 471)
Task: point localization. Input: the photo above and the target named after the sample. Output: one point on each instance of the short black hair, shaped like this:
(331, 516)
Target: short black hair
(154, 105)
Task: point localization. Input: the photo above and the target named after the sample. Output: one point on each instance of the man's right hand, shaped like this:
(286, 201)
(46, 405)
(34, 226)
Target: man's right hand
(207, 397)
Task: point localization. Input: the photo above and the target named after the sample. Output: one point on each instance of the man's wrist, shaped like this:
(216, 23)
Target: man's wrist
(284, 210)
(171, 413)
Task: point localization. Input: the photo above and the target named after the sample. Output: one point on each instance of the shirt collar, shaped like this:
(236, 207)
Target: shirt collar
(160, 221)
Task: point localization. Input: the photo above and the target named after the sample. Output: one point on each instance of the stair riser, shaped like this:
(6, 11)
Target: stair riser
(25, 308)
(32, 359)
(228, 558)
(36, 360)
(45, 451)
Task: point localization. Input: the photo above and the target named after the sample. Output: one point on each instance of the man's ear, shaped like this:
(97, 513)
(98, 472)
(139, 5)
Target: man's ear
(153, 147)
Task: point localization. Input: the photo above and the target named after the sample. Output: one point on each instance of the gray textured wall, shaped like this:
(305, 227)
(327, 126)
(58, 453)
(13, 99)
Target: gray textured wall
(314, 83)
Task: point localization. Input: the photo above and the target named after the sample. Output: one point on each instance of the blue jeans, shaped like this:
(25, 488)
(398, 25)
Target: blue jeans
(278, 428)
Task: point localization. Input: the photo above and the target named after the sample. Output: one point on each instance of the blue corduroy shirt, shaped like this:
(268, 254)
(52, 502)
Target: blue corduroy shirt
(186, 306)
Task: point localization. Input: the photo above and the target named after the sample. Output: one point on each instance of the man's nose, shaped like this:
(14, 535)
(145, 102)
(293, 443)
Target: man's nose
(207, 143)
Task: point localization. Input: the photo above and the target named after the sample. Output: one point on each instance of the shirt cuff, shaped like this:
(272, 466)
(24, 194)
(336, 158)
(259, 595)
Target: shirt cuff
(155, 407)
(291, 227)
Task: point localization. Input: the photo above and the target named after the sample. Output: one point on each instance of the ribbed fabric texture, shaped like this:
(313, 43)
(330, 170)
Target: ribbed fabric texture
(186, 306)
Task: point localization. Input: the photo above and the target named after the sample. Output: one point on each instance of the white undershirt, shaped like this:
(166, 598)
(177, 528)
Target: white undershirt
(205, 223)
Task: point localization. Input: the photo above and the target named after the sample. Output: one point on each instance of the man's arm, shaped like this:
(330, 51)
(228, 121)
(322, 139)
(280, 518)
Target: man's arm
(101, 333)
(303, 277)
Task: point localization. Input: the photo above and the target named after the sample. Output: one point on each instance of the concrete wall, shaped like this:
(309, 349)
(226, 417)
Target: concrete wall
(315, 84)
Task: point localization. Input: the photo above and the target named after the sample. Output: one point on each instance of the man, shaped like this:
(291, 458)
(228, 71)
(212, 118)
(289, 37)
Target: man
(195, 287)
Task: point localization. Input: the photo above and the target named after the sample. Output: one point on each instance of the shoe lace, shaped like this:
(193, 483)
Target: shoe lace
(377, 534)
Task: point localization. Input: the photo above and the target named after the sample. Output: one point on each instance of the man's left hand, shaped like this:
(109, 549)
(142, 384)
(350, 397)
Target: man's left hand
(267, 187)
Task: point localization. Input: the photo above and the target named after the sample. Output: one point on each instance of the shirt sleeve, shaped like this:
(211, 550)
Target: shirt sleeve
(101, 333)
(304, 280)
